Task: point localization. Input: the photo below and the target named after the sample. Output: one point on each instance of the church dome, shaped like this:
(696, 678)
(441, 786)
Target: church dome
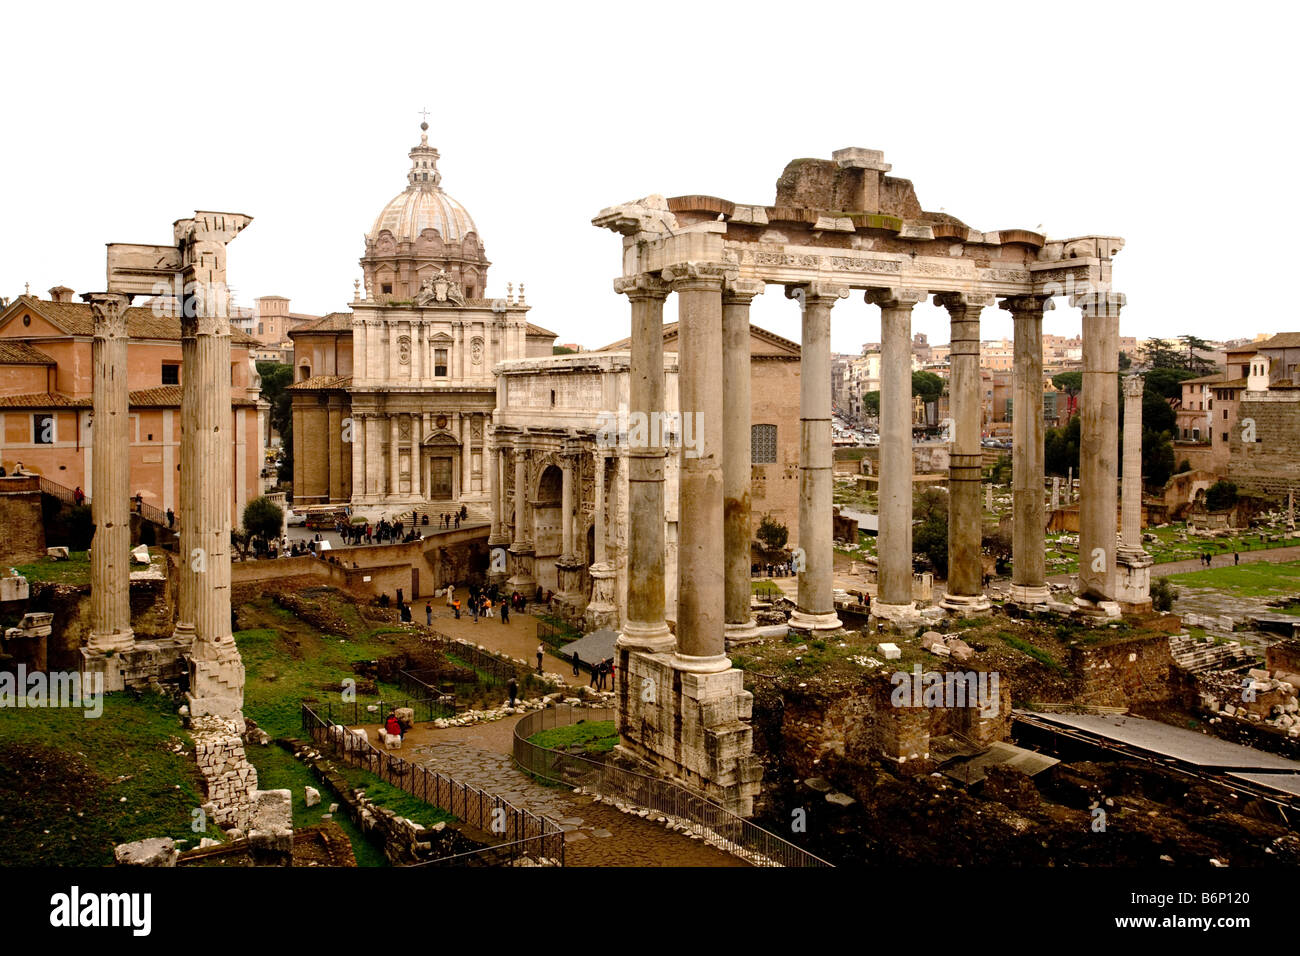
(423, 204)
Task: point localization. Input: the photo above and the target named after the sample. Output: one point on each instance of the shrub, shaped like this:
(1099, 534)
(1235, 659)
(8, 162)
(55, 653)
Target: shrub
(1162, 595)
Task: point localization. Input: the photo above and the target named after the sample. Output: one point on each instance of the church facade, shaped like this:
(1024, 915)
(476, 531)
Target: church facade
(393, 400)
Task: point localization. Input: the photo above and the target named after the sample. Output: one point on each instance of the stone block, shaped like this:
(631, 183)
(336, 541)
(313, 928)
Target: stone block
(157, 851)
(59, 553)
(14, 587)
(312, 796)
(892, 652)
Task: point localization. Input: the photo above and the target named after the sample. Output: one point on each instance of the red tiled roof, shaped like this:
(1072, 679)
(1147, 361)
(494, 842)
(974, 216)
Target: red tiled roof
(43, 400)
(20, 353)
(75, 318)
(318, 382)
(334, 322)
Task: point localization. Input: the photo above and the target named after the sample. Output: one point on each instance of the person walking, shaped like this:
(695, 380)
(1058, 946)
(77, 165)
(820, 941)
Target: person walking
(171, 518)
(513, 688)
(428, 614)
(1236, 558)
(489, 609)
(540, 651)
(575, 663)
(505, 612)
(595, 675)
(473, 608)
(455, 605)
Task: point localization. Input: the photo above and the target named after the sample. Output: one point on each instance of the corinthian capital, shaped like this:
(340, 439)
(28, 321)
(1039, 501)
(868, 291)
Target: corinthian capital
(742, 290)
(1028, 306)
(643, 285)
(818, 292)
(960, 302)
(109, 311)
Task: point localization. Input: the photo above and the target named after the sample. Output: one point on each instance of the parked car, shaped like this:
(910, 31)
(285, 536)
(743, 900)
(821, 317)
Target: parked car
(297, 519)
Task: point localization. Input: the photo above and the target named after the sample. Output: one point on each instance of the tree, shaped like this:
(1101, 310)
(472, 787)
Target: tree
(1061, 448)
(930, 537)
(561, 350)
(1125, 363)
(1194, 362)
(1000, 473)
(263, 518)
(772, 534)
(928, 385)
(1167, 382)
(276, 379)
(1162, 595)
(1183, 466)
(1221, 495)
(871, 404)
(1159, 353)
(1069, 382)
(1157, 457)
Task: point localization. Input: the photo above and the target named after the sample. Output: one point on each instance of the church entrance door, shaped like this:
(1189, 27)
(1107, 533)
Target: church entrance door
(440, 479)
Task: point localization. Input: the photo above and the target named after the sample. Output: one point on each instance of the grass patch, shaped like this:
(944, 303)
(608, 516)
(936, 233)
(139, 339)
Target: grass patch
(1259, 579)
(592, 736)
(75, 570)
(73, 786)
(1025, 647)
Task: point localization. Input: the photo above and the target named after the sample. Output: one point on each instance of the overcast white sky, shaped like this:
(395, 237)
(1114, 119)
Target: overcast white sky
(1170, 125)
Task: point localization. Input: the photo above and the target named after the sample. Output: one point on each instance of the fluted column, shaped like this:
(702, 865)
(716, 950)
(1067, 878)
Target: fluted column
(417, 439)
(110, 553)
(566, 509)
(394, 459)
(737, 457)
(491, 458)
(894, 590)
(522, 545)
(599, 512)
(1131, 500)
(966, 459)
(1098, 448)
(186, 512)
(1029, 520)
(645, 627)
(816, 603)
(701, 591)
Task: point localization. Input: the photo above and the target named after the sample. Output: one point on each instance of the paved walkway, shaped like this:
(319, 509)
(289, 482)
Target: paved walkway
(1272, 556)
(518, 638)
(595, 834)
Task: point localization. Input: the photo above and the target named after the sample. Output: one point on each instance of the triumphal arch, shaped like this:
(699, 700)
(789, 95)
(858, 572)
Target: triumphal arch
(837, 227)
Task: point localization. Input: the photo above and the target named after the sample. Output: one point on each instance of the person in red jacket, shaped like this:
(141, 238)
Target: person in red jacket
(392, 726)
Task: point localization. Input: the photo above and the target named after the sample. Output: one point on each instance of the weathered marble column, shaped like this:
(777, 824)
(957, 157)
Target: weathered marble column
(521, 547)
(491, 468)
(966, 459)
(216, 671)
(358, 350)
(1098, 448)
(815, 562)
(701, 643)
(466, 454)
(601, 610)
(1029, 520)
(186, 511)
(894, 590)
(394, 459)
(358, 423)
(110, 552)
(645, 627)
(566, 509)
(737, 458)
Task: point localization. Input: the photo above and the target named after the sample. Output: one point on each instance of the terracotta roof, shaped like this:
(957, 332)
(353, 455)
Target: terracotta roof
(20, 353)
(1217, 377)
(334, 322)
(538, 330)
(1283, 340)
(43, 400)
(317, 382)
(670, 330)
(75, 318)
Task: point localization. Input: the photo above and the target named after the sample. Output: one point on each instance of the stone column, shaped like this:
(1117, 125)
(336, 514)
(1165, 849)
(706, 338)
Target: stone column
(186, 512)
(1098, 448)
(394, 361)
(566, 509)
(645, 627)
(1029, 521)
(216, 671)
(894, 590)
(417, 440)
(966, 459)
(358, 456)
(601, 610)
(358, 350)
(522, 545)
(374, 457)
(110, 553)
(815, 555)
(701, 642)
(1131, 502)
(737, 458)
(394, 463)
(466, 454)
(599, 512)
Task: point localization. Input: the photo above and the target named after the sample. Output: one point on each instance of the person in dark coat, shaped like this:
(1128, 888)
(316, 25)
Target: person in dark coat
(512, 687)
(575, 663)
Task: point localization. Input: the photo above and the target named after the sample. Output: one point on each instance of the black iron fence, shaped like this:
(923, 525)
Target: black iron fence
(353, 712)
(731, 832)
(476, 808)
(493, 669)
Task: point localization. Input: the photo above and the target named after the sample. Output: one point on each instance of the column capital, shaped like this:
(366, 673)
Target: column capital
(741, 291)
(1027, 305)
(109, 311)
(1099, 304)
(961, 301)
(643, 285)
(1133, 386)
(895, 298)
(697, 274)
(824, 293)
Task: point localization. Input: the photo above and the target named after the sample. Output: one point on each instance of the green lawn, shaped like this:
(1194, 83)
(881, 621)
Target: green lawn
(73, 787)
(1258, 579)
(593, 736)
(76, 570)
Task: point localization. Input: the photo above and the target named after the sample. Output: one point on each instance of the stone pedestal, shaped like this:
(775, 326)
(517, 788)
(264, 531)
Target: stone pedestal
(601, 611)
(690, 725)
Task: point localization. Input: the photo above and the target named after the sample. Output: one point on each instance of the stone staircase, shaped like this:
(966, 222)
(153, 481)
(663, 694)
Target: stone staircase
(477, 514)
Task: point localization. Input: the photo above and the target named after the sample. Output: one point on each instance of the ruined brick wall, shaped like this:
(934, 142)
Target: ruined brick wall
(20, 517)
(228, 777)
(1124, 672)
(1271, 463)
